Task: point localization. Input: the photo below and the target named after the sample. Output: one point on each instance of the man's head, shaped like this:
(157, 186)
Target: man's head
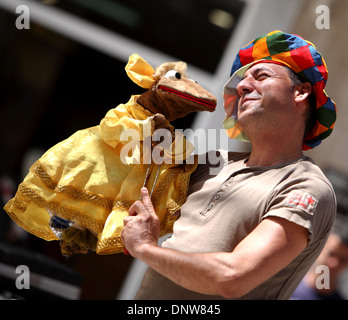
(271, 102)
(303, 63)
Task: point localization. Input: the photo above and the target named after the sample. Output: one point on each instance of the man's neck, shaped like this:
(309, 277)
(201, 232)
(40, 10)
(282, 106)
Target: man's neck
(266, 156)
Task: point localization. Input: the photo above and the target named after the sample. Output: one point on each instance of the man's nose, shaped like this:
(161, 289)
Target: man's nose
(245, 86)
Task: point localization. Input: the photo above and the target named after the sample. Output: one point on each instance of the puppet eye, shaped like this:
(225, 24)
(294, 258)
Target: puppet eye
(173, 75)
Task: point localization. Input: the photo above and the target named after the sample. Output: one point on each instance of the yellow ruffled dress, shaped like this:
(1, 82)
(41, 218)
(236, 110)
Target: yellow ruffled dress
(84, 180)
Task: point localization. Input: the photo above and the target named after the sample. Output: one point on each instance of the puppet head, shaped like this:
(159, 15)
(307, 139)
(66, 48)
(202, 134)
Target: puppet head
(169, 92)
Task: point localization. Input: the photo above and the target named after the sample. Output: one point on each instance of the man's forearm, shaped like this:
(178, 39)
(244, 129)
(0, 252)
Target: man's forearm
(206, 273)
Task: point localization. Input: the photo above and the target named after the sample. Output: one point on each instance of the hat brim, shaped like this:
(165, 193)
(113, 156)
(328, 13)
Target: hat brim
(231, 98)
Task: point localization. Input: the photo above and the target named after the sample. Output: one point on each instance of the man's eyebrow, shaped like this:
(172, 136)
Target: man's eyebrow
(257, 70)
(261, 68)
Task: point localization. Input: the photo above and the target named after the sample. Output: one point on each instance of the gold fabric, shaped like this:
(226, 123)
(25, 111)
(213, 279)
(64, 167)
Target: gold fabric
(140, 72)
(83, 179)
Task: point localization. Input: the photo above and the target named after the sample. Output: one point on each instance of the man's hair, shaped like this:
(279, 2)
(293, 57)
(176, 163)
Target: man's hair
(311, 117)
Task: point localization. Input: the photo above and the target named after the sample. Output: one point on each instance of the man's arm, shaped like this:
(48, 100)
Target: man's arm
(272, 245)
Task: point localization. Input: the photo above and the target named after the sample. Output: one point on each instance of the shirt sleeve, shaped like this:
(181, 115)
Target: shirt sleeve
(307, 201)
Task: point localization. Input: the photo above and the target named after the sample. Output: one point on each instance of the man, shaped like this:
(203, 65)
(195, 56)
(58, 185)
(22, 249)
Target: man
(253, 229)
(322, 280)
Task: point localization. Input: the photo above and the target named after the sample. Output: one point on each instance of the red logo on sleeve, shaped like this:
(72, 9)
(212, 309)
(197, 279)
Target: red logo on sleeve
(302, 200)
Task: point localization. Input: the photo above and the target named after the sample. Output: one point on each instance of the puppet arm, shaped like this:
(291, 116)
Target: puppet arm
(118, 122)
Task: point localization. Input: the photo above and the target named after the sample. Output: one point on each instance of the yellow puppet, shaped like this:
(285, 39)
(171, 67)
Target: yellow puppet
(80, 190)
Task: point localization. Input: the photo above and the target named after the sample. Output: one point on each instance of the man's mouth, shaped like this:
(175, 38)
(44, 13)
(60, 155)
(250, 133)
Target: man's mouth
(188, 97)
(244, 100)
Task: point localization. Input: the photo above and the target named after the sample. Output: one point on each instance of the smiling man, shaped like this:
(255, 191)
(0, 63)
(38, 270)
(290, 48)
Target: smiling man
(272, 108)
(254, 229)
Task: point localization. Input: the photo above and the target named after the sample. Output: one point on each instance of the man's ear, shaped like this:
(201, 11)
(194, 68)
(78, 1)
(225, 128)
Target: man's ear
(302, 91)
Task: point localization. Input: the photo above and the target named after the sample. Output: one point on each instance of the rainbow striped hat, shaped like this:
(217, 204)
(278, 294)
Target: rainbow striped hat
(299, 55)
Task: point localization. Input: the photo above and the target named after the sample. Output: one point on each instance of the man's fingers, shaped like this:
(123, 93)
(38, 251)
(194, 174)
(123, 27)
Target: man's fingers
(145, 193)
(141, 225)
(135, 208)
(143, 206)
(146, 200)
(126, 220)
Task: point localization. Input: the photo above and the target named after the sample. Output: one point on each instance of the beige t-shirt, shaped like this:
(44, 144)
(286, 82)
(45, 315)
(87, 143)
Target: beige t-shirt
(227, 201)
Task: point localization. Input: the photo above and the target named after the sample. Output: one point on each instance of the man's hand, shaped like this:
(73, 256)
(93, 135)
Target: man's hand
(142, 226)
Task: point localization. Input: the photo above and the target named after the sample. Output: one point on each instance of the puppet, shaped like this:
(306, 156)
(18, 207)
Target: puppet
(80, 190)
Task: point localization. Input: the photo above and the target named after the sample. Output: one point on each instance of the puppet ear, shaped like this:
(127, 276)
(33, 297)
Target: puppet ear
(140, 71)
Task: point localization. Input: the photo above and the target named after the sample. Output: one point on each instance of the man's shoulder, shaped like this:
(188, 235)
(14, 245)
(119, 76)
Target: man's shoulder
(308, 170)
(305, 175)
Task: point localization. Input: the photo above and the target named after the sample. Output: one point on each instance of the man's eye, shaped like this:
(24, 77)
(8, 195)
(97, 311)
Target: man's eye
(262, 76)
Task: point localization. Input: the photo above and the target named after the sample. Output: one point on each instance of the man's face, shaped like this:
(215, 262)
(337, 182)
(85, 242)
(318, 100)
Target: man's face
(265, 93)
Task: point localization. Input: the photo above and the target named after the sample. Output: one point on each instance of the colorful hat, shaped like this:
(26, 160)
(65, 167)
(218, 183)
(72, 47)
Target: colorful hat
(299, 55)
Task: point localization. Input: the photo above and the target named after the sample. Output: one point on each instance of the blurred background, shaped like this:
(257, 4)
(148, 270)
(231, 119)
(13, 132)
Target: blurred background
(66, 71)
